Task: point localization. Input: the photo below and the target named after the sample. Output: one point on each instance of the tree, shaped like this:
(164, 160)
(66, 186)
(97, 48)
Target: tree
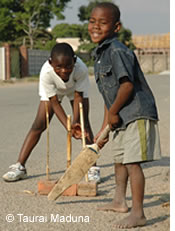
(7, 25)
(29, 16)
(85, 11)
(65, 30)
(125, 36)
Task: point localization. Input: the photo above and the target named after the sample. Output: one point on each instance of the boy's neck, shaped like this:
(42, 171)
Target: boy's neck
(107, 39)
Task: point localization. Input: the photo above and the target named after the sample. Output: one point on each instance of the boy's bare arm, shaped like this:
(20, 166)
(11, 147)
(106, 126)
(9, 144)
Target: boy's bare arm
(105, 119)
(124, 93)
(78, 98)
(59, 111)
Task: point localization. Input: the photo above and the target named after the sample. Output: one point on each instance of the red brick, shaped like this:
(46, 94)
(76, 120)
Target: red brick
(45, 186)
(71, 191)
(88, 189)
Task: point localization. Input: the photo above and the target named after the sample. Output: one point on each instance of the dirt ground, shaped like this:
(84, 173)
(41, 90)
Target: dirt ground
(18, 104)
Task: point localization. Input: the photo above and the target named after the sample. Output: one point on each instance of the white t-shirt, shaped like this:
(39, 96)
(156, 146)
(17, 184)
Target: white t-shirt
(51, 84)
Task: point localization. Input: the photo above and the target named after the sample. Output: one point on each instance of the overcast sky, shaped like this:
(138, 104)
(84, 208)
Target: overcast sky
(140, 16)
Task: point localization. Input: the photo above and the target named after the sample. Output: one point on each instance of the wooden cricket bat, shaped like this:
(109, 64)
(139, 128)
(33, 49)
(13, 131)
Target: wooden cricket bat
(80, 166)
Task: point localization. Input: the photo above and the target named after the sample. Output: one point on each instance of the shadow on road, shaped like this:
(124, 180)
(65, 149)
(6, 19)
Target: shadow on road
(163, 162)
(44, 174)
(157, 220)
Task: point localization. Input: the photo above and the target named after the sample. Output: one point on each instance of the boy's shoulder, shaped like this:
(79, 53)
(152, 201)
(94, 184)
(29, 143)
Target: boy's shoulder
(80, 62)
(46, 67)
(80, 65)
(46, 71)
(112, 46)
(118, 46)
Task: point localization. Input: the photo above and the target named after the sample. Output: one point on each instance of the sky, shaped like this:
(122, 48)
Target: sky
(140, 16)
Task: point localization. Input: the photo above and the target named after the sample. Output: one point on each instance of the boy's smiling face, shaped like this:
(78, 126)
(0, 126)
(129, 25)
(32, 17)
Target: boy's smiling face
(101, 24)
(63, 66)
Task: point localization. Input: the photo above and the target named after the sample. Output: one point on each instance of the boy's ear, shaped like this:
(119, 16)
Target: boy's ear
(50, 61)
(117, 27)
(75, 58)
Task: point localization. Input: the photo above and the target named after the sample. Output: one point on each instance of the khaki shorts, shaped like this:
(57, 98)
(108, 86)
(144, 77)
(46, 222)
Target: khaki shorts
(139, 142)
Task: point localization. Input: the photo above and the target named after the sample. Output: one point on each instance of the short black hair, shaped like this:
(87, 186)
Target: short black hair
(111, 6)
(62, 49)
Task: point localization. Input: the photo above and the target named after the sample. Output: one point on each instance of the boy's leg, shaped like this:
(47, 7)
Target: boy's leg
(137, 180)
(118, 203)
(90, 138)
(18, 170)
(33, 136)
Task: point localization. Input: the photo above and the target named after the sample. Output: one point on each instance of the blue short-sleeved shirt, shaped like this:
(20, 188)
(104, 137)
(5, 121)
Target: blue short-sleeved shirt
(113, 60)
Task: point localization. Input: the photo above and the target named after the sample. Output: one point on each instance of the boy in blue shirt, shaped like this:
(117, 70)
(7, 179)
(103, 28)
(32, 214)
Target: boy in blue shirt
(130, 111)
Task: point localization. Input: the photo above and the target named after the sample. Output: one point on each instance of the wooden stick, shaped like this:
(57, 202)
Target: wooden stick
(48, 144)
(82, 125)
(83, 131)
(69, 142)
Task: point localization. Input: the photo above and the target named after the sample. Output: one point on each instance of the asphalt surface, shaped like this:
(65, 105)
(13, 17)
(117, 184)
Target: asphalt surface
(30, 211)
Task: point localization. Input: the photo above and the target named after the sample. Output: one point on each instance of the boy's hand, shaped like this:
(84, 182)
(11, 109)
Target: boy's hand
(114, 121)
(76, 131)
(102, 143)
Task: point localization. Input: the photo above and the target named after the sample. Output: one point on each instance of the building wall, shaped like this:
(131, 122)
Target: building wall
(36, 59)
(2, 63)
(154, 42)
(154, 63)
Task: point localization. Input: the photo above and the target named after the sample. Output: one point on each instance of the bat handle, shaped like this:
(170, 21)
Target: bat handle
(83, 131)
(104, 134)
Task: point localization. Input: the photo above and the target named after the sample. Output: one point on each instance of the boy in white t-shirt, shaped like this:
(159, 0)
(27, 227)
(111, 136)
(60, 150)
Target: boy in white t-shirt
(63, 74)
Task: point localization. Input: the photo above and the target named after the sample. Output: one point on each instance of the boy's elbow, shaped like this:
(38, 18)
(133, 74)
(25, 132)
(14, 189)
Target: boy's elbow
(126, 84)
(129, 87)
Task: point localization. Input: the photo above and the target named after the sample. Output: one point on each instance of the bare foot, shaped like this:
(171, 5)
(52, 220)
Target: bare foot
(131, 221)
(115, 207)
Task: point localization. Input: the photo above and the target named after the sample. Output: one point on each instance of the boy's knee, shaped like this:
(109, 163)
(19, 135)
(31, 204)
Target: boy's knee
(132, 166)
(86, 105)
(38, 127)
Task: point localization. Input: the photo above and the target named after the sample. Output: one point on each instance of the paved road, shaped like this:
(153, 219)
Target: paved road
(18, 105)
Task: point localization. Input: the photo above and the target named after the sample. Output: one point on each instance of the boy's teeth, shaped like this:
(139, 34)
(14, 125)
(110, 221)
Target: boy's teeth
(95, 34)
